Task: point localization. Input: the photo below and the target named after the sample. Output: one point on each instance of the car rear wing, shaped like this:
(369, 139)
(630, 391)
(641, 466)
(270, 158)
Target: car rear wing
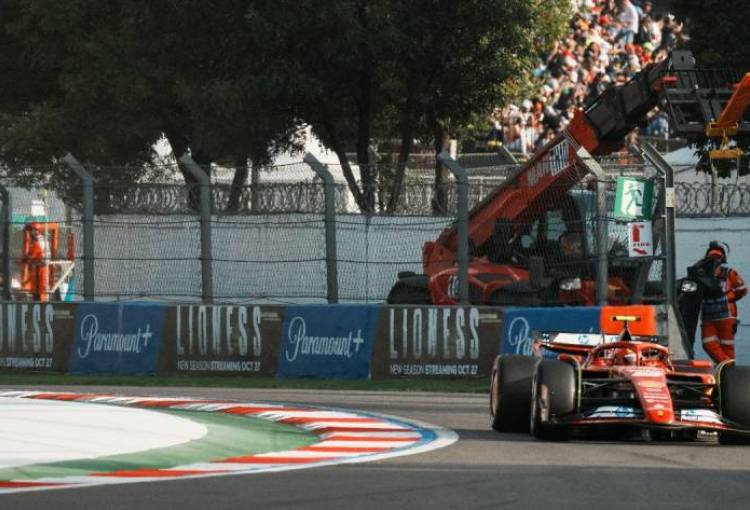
(568, 342)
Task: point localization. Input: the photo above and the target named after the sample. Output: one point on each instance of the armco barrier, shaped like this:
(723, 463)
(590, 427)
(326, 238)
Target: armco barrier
(342, 341)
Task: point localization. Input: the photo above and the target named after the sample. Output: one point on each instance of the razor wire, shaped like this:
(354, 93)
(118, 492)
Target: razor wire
(268, 233)
(706, 200)
(417, 195)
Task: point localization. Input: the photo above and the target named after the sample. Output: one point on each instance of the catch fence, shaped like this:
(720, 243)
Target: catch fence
(292, 233)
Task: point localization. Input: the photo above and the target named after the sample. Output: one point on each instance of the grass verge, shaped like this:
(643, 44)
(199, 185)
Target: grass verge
(478, 385)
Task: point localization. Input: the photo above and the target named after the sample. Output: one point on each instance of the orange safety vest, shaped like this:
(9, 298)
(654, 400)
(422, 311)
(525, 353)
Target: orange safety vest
(38, 256)
(725, 306)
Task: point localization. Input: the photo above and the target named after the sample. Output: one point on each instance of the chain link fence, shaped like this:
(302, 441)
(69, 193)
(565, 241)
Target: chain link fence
(268, 238)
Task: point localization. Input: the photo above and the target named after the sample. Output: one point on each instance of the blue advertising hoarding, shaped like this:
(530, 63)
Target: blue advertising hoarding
(117, 338)
(519, 325)
(327, 341)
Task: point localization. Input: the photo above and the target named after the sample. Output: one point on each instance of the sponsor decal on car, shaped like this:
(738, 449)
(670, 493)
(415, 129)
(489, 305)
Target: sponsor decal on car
(614, 412)
(588, 339)
(702, 415)
(647, 372)
(651, 384)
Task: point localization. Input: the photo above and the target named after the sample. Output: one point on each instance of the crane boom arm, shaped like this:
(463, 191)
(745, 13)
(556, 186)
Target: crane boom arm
(600, 129)
(733, 111)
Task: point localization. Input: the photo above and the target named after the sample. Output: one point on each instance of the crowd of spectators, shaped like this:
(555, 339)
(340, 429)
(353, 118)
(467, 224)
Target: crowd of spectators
(607, 43)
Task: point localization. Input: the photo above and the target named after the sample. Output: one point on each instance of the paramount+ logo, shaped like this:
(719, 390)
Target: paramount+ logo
(519, 336)
(303, 344)
(95, 341)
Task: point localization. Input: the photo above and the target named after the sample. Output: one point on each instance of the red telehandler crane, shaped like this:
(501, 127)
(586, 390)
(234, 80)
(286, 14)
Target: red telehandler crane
(518, 254)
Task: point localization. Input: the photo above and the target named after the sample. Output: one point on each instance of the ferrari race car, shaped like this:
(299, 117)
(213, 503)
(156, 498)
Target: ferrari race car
(576, 384)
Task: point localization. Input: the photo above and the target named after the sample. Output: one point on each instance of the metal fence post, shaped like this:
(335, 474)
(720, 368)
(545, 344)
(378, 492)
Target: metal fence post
(88, 224)
(656, 159)
(329, 186)
(207, 280)
(462, 224)
(6, 222)
(683, 348)
(602, 227)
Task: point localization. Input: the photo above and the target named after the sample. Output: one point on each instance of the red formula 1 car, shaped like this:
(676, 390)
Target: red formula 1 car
(621, 383)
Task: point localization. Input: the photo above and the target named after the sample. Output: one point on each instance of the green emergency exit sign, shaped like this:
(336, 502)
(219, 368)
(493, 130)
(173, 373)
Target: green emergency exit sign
(633, 199)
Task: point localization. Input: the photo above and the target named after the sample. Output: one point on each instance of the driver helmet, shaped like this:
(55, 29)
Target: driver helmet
(626, 357)
(650, 354)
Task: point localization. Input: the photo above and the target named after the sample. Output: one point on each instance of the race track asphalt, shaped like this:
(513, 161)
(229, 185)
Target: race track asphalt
(482, 470)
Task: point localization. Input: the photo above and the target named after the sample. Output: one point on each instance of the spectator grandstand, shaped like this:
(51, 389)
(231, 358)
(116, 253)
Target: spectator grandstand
(607, 42)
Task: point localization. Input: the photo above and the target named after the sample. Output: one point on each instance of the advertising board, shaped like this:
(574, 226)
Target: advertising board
(436, 341)
(519, 325)
(116, 338)
(221, 339)
(35, 336)
(327, 341)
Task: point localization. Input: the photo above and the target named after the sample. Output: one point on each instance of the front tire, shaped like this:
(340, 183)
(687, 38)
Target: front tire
(735, 402)
(554, 396)
(510, 392)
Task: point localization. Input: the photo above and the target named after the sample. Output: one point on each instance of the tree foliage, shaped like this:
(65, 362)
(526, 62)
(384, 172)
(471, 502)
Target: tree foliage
(232, 79)
(111, 78)
(360, 70)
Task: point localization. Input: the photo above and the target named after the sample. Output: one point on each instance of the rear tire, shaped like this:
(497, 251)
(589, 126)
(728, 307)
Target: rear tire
(411, 290)
(735, 402)
(510, 392)
(554, 395)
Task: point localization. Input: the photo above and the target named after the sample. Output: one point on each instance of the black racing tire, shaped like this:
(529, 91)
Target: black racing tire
(735, 402)
(510, 392)
(514, 294)
(412, 290)
(559, 379)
